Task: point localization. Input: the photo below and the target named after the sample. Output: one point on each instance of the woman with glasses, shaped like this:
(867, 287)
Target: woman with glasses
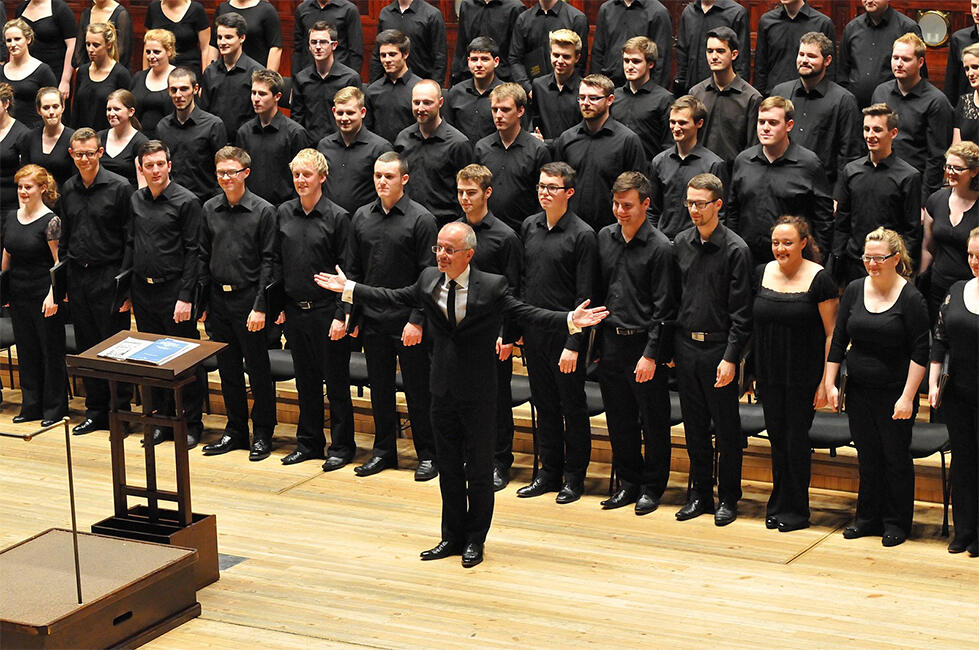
(47, 145)
(950, 215)
(122, 139)
(957, 334)
(884, 320)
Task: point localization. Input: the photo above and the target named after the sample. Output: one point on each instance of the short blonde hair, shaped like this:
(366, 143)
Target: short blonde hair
(24, 27)
(312, 158)
(566, 38)
(895, 244)
(914, 41)
(349, 94)
(165, 38)
(775, 101)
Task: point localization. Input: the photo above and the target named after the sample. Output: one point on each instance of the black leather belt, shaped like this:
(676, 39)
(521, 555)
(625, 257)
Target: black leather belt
(708, 337)
(158, 280)
(307, 305)
(625, 331)
(228, 288)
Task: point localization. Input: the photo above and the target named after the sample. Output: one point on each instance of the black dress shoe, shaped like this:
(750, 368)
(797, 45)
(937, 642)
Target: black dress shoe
(47, 423)
(540, 485)
(570, 492)
(88, 425)
(261, 449)
(224, 445)
(193, 438)
(501, 477)
(373, 466)
(334, 463)
(727, 512)
(20, 419)
(861, 530)
(973, 549)
(299, 456)
(771, 522)
(441, 551)
(646, 503)
(789, 525)
(694, 507)
(625, 496)
(161, 435)
(472, 554)
(426, 470)
(958, 545)
(893, 539)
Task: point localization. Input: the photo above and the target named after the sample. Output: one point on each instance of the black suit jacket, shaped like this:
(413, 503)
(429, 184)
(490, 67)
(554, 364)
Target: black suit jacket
(464, 356)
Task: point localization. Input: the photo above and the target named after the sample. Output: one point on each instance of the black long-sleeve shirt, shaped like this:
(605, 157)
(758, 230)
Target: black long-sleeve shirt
(264, 29)
(669, 175)
(555, 110)
(95, 219)
(956, 83)
(343, 15)
(957, 334)
(646, 113)
(777, 45)
(312, 97)
(516, 170)
(495, 19)
(637, 282)
(238, 245)
(691, 44)
(389, 105)
(432, 166)
(192, 147)
(350, 182)
(618, 22)
(228, 93)
(272, 148)
(530, 47)
(714, 279)
(865, 52)
(731, 125)
(425, 26)
(468, 110)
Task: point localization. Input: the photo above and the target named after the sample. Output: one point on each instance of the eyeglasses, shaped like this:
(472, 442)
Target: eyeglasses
(591, 99)
(867, 259)
(955, 169)
(549, 189)
(700, 205)
(230, 174)
(448, 251)
(317, 41)
(82, 155)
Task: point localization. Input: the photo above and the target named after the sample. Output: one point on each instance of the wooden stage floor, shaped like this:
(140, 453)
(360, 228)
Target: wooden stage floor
(331, 560)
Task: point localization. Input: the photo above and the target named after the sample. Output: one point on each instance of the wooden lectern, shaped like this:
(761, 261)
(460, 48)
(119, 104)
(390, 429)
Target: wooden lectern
(150, 523)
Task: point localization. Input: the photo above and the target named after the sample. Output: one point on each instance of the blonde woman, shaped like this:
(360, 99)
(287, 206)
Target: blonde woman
(188, 22)
(25, 74)
(54, 28)
(967, 110)
(106, 11)
(150, 84)
(98, 78)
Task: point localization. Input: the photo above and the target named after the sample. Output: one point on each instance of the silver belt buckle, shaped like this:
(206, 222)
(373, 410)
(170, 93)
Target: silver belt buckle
(698, 336)
(226, 287)
(305, 305)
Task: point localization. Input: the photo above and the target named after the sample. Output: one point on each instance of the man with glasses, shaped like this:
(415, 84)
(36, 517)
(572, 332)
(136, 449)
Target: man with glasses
(559, 271)
(238, 260)
(314, 87)
(95, 212)
(878, 190)
(598, 149)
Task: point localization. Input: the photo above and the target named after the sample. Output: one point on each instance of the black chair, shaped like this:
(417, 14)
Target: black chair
(6, 343)
(71, 347)
(358, 372)
(929, 438)
(520, 394)
(209, 365)
(829, 431)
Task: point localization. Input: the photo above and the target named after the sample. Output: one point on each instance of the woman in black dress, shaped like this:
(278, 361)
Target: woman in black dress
(47, 146)
(794, 315)
(150, 85)
(13, 135)
(30, 249)
(884, 319)
(187, 21)
(950, 214)
(264, 41)
(106, 11)
(95, 80)
(957, 334)
(122, 139)
(967, 110)
(54, 37)
(25, 74)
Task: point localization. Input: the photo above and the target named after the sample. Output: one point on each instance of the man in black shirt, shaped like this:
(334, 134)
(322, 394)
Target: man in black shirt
(636, 262)
(351, 152)
(672, 169)
(641, 103)
(227, 86)
(434, 151)
(559, 269)
(425, 26)
(878, 190)
(924, 113)
(599, 149)
(498, 251)
(389, 98)
(344, 16)
(467, 103)
(622, 20)
(492, 18)
(163, 252)
(827, 120)
(777, 45)
(272, 138)
(192, 135)
(713, 268)
(698, 19)
(555, 96)
(513, 155)
(774, 178)
(313, 87)
(95, 211)
(313, 234)
(391, 242)
(530, 44)
(865, 49)
(238, 260)
(731, 102)
(956, 83)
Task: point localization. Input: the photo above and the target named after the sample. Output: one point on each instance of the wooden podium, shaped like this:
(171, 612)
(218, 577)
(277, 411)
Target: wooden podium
(151, 523)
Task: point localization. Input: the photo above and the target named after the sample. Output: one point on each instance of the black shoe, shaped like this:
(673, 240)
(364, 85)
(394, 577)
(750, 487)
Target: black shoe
(973, 549)
(299, 456)
(88, 425)
(426, 470)
(161, 435)
(625, 496)
(261, 449)
(727, 511)
(570, 492)
(537, 487)
(20, 419)
(47, 423)
(374, 465)
(501, 477)
(958, 545)
(861, 530)
(334, 463)
(646, 503)
(441, 551)
(224, 445)
(771, 522)
(695, 507)
(893, 539)
(789, 526)
(193, 438)
(472, 554)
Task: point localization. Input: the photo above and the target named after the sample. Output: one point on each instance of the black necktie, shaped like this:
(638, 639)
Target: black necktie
(450, 305)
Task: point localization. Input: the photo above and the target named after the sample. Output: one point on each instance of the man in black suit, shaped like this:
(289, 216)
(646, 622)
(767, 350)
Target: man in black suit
(464, 309)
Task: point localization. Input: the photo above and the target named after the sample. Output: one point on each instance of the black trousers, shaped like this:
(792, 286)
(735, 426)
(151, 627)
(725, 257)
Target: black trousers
(464, 438)
(383, 352)
(90, 292)
(317, 359)
(153, 308)
(788, 417)
(638, 415)
(702, 404)
(563, 430)
(962, 417)
(226, 323)
(504, 415)
(40, 354)
(886, 493)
